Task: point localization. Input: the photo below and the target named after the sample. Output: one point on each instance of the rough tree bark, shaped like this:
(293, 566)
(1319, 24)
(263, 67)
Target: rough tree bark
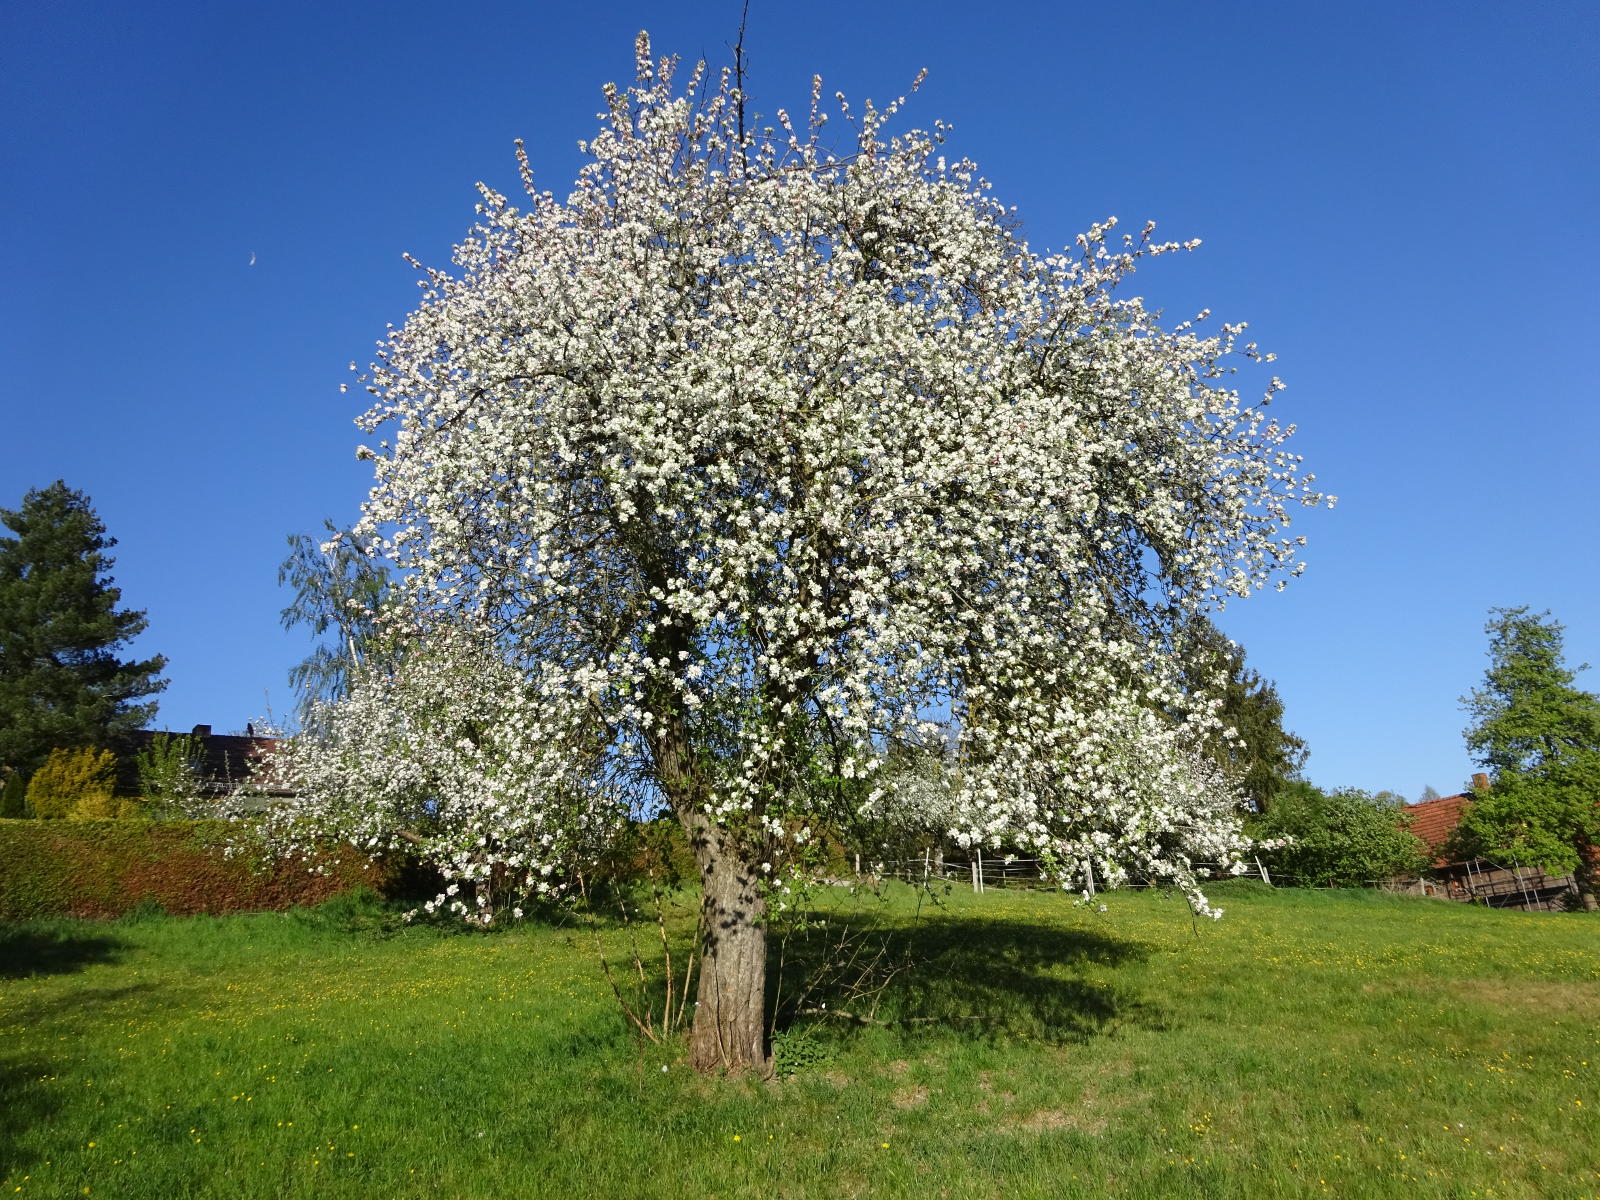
(1586, 876)
(729, 1030)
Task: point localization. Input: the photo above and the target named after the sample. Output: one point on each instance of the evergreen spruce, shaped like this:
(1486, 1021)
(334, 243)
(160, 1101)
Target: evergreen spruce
(14, 798)
(1262, 756)
(61, 681)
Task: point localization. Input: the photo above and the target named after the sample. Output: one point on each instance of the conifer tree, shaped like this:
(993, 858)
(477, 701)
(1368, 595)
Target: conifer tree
(1260, 753)
(13, 797)
(74, 783)
(61, 681)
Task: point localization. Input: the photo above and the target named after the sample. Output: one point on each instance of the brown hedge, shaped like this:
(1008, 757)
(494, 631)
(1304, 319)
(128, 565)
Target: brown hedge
(107, 868)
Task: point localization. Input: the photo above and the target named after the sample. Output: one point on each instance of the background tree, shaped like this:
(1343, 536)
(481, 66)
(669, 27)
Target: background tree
(1346, 838)
(907, 809)
(447, 756)
(1259, 752)
(751, 461)
(1429, 792)
(61, 681)
(14, 797)
(1538, 738)
(339, 592)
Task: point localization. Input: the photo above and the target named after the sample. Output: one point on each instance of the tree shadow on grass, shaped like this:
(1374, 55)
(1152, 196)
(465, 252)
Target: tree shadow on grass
(30, 1100)
(25, 952)
(25, 1105)
(974, 978)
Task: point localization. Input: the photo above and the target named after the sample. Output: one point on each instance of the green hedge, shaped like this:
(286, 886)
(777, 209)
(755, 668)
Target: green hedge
(106, 868)
(648, 851)
(657, 851)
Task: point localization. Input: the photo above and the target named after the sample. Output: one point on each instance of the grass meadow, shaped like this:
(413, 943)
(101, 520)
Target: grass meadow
(1309, 1044)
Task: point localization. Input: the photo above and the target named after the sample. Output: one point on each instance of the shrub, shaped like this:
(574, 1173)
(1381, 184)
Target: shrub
(106, 868)
(797, 1049)
(360, 911)
(169, 775)
(14, 797)
(648, 851)
(70, 778)
(103, 806)
(1340, 839)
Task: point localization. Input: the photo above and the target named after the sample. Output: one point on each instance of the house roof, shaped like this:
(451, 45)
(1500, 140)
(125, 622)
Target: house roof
(1434, 820)
(227, 759)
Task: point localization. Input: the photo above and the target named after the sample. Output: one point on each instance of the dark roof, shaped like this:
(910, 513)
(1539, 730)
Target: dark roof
(227, 759)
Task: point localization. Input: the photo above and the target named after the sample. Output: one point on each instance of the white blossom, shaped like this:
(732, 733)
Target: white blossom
(753, 458)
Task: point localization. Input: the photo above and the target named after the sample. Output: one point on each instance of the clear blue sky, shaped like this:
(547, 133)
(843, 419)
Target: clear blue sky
(1403, 200)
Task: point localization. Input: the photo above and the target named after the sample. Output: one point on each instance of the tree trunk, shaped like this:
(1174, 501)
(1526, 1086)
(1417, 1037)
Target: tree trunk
(729, 1030)
(1584, 877)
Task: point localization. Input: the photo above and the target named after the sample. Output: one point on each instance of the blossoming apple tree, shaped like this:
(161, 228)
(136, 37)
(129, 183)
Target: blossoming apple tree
(762, 453)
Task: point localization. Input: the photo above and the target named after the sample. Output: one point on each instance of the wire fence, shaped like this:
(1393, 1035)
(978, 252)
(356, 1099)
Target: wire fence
(1480, 881)
(1000, 871)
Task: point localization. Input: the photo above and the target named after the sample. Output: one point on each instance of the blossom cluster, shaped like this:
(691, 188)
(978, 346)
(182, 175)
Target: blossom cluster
(445, 756)
(757, 455)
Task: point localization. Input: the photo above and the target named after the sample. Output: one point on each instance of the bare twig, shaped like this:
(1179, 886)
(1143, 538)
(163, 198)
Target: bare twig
(738, 68)
(863, 1019)
(644, 1028)
(666, 956)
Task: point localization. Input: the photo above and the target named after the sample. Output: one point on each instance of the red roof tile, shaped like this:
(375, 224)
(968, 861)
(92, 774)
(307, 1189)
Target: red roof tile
(1434, 820)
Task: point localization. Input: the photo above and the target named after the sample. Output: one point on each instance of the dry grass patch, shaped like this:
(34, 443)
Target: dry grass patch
(1047, 1119)
(1535, 995)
